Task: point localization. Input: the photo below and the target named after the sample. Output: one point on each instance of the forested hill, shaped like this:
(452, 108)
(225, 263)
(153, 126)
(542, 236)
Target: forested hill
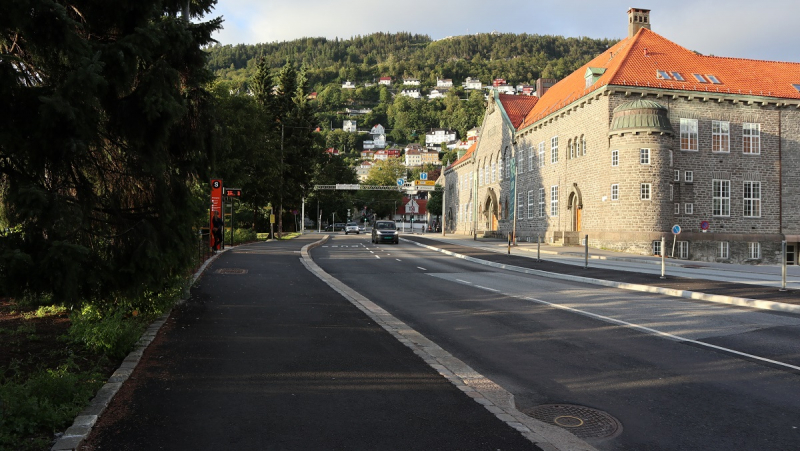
(518, 58)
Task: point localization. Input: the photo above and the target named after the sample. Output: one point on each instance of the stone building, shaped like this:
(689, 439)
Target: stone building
(646, 136)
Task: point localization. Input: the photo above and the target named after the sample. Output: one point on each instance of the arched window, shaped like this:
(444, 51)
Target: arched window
(570, 150)
(583, 144)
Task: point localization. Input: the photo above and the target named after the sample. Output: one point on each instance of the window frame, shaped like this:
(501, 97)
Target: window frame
(720, 203)
(753, 202)
(615, 158)
(646, 191)
(530, 204)
(689, 134)
(677, 177)
(754, 246)
(683, 250)
(554, 150)
(724, 250)
(688, 176)
(656, 248)
(720, 140)
(688, 208)
(751, 138)
(542, 161)
(542, 210)
(644, 156)
(554, 200)
(614, 192)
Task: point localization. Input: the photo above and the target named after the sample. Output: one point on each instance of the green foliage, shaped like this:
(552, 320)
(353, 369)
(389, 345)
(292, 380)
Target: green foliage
(240, 235)
(105, 129)
(435, 201)
(112, 334)
(41, 404)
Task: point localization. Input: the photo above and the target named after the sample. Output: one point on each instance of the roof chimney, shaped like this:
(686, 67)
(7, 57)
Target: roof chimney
(638, 18)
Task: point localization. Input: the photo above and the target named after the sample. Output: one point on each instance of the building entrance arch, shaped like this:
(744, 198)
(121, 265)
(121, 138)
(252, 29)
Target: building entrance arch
(575, 206)
(491, 210)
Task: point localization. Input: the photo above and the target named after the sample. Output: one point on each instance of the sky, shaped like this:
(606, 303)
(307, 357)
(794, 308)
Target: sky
(765, 29)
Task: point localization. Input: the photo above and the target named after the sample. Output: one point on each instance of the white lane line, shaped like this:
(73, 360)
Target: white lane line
(371, 252)
(398, 259)
(657, 332)
(420, 267)
(641, 328)
(487, 288)
(377, 256)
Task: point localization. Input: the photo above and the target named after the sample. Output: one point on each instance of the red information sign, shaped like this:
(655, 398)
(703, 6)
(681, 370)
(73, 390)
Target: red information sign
(216, 207)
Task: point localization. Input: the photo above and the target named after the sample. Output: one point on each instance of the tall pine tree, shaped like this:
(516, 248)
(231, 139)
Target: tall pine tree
(103, 133)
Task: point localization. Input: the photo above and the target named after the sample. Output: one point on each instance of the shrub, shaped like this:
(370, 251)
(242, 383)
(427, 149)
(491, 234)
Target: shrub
(42, 404)
(113, 334)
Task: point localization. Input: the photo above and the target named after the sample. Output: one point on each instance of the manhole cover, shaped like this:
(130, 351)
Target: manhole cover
(583, 422)
(231, 271)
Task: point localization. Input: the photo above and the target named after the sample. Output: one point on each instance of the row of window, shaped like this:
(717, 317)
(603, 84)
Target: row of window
(723, 250)
(720, 198)
(720, 136)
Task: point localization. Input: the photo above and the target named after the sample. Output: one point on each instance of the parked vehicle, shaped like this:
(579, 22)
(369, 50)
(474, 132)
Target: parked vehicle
(337, 227)
(351, 227)
(385, 232)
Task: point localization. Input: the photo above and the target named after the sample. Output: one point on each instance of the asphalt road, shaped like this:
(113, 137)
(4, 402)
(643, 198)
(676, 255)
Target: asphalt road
(677, 374)
(265, 356)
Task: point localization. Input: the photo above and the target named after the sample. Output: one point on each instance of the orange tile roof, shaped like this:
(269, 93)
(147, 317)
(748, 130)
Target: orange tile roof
(466, 155)
(635, 61)
(517, 107)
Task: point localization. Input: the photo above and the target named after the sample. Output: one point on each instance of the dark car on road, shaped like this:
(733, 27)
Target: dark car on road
(337, 227)
(385, 232)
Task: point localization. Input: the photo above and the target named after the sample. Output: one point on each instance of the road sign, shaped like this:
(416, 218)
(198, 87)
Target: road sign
(425, 182)
(676, 229)
(423, 176)
(704, 225)
(401, 182)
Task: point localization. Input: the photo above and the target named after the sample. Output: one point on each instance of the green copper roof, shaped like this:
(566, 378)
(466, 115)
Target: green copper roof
(641, 114)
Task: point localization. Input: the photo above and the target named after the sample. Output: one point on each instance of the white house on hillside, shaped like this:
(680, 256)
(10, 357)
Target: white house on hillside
(348, 85)
(472, 83)
(411, 81)
(413, 93)
(444, 83)
(349, 125)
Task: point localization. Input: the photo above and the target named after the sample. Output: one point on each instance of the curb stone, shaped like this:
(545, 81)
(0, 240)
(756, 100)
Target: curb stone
(482, 390)
(74, 436)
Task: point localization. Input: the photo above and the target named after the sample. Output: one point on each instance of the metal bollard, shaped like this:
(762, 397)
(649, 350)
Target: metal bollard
(663, 259)
(586, 243)
(538, 248)
(783, 265)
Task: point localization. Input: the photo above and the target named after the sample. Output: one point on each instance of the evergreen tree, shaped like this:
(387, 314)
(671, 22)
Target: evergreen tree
(103, 135)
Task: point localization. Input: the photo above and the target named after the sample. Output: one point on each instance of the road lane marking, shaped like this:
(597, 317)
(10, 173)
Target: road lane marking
(398, 259)
(464, 281)
(420, 267)
(377, 256)
(487, 288)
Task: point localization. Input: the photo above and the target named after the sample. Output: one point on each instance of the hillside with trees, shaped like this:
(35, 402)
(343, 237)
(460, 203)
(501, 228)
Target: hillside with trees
(327, 63)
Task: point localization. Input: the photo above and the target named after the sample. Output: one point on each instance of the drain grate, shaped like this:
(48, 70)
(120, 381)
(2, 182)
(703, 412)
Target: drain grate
(231, 271)
(583, 422)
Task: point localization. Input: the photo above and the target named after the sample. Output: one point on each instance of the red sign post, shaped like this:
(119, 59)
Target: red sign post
(216, 207)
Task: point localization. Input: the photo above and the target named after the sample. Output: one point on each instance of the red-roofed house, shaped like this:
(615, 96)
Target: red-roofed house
(385, 81)
(645, 136)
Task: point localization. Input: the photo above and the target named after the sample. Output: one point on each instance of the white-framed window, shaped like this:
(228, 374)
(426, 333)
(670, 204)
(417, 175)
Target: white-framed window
(571, 149)
(751, 138)
(721, 197)
(554, 149)
(500, 169)
(720, 136)
(530, 158)
(508, 167)
(521, 162)
(530, 204)
(554, 200)
(615, 158)
(677, 208)
(583, 145)
(683, 249)
(657, 247)
(688, 176)
(688, 134)
(494, 172)
(723, 250)
(752, 199)
(688, 208)
(644, 156)
(541, 202)
(677, 177)
(645, 191)
(541, 154)
(671, 191)
(615, 191)
(520, 205)
(480, 176)
(753, 251)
